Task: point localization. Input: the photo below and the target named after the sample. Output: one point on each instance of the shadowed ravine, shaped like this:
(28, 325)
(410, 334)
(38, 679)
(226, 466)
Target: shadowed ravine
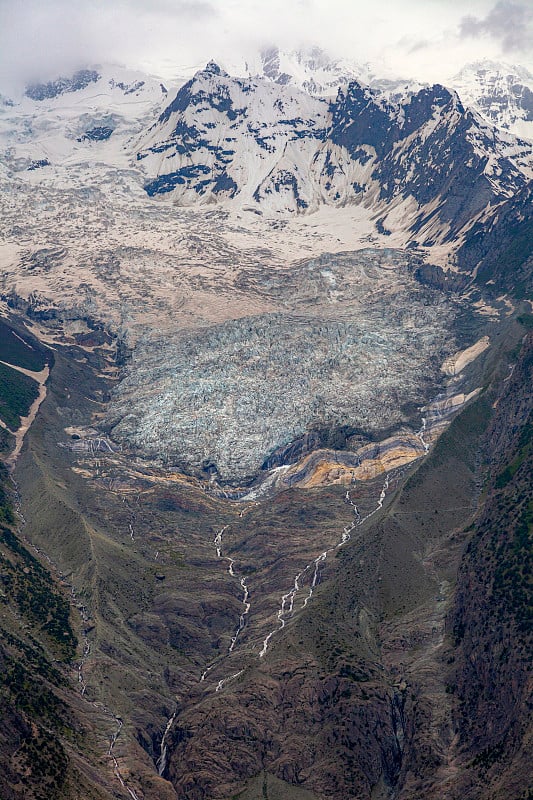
(298, 633)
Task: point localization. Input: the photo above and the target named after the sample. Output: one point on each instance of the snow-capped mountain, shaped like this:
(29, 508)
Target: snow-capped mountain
(89, 115)
(502, 93)
(316, 72)
(414, 158)
(257, 141)
(223, 136)
(109, 85)
(312, 70)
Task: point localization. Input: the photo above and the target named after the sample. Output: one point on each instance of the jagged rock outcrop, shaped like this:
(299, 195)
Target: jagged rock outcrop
(491, 620)
(259, 142)
(503, 93)
(47, 91)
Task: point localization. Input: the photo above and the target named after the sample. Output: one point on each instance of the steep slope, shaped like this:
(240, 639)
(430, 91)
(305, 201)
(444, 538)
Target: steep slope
(422, 161)
(502, 93)
(48, 734)
(87, 117)
(498, 249)
(492, 619)
(440, 160)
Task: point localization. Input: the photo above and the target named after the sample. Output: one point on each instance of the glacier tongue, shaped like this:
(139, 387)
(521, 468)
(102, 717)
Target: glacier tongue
(356, 342)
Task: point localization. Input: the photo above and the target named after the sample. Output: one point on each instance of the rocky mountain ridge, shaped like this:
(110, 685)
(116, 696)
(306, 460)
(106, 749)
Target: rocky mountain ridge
(502, 93)
(499, 91)
(424, 158)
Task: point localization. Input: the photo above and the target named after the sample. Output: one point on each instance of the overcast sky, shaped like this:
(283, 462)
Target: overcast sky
(425, 39)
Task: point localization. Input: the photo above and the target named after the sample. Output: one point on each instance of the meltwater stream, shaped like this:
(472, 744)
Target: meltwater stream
(287, 600)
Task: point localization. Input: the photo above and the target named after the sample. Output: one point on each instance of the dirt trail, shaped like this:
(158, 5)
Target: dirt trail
(26, 422)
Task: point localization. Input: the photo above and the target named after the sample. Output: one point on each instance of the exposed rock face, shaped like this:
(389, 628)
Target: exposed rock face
(227, 397)
(309, 728)
(503, 93)
(491, 620)
(499, 91)
(499, 248)
(271, 145)
(47, 91)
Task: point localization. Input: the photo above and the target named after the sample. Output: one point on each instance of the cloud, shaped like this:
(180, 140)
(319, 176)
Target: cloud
(508, 22)
(425, 39)
(193, 9)
(421, 44)
(40, 39)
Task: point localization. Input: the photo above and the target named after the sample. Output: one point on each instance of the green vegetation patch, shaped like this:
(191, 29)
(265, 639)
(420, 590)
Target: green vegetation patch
(17, 349)
(38, 757)
(25, 580)
(32, 654)
(6, 512)
(526, 320)
(508, 264)
(30, 694)
(512, 578)
(17, 393)
(45, 757)
(524, 448)
(458, 442)
(486, 758)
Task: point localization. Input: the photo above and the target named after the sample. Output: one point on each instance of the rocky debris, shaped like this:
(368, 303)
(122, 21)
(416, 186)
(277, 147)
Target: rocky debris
(100, 133)
(38, 163)
(363, 340)
(362, 697)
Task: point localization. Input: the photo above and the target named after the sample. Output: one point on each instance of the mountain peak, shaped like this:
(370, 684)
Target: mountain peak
(311, 69)
(496, 67)
(256, 141)
(212, 68)
(47, 91)
(501, 92)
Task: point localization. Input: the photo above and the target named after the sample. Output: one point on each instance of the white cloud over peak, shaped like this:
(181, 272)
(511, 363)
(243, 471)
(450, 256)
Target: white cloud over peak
(426, 39)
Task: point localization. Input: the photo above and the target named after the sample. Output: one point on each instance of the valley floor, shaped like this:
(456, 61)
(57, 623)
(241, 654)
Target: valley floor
(314, 644)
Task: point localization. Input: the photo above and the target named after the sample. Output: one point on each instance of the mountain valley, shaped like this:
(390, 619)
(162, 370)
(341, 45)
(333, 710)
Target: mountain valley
(266, 350)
